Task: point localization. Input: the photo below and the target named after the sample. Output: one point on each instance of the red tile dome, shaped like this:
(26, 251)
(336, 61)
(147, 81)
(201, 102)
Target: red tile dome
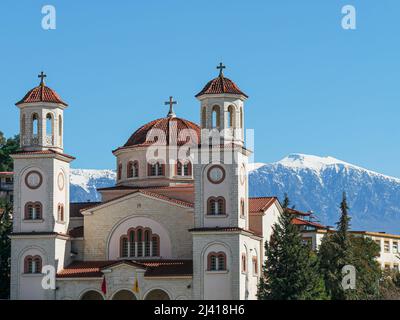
(171, 126)
(42, 93)
(221, 85)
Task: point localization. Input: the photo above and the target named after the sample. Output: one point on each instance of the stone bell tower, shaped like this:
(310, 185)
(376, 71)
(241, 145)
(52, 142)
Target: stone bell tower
(221, 193)
(41, 194)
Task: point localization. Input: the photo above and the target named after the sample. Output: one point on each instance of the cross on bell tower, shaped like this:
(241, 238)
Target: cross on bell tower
(42, 75)
(171, 103)
(221, 68)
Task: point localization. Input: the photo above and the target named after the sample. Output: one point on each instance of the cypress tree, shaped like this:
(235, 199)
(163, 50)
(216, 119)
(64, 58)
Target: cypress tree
(290, 271)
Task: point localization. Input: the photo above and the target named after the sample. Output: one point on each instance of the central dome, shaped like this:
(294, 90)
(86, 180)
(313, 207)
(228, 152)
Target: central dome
(176, 131)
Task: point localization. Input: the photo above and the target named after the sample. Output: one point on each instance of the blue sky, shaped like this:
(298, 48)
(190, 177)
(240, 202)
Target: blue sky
(314, 87)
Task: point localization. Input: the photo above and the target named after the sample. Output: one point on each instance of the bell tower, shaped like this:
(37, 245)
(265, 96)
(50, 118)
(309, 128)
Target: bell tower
(222, 109)
(41, 194)
(221, 193)
(41, 119)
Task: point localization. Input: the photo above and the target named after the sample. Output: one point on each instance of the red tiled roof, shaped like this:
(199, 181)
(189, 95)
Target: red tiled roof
(221, 85)
(154, 268)
(50, 151)
(301, 222)
(76, 207)
(77, 232)
(6, 173)
(298, 213)
(146, 192)
(171, 126)
(221, 229)
(260, 204)
(41, 93)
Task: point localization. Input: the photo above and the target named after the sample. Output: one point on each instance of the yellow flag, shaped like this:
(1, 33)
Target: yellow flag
(136, 284)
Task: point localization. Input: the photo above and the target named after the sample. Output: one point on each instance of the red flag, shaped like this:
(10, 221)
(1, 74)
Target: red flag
(104, 285)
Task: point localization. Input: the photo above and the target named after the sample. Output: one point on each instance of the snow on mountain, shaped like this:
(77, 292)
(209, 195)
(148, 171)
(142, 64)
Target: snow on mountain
(84, 183)
(317, 183)
(311, 182)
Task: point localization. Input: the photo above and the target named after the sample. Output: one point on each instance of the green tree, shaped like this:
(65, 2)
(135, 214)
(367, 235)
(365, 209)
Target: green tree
(5, 248)
(342, 248)
(7, 147)
(291, 269)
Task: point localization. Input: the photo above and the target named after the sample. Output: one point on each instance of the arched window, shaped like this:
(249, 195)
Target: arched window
(184, 169)
(241, 117)
(49, 124)
(124, 247)
(216, 206)
(60, 127)
(132, 246)
(33, 211)
(231, 117)
(255, 265)
(35, 124)
(216, 116)
(33, 264)
(133, 169)
(23, 126)
(216, 261)
(204, 117)
(139, 242)
(119, 174)
(155, 240)
(60, 212)
(156, 169)
(242, 207)
(244, 262)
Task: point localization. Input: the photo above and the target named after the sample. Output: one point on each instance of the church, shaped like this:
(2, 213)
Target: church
(178, 224)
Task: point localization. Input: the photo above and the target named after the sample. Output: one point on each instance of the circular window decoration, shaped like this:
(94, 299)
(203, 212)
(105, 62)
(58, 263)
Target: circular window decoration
(242, 174)
(216, 174)
(33, 179)
(60, 181)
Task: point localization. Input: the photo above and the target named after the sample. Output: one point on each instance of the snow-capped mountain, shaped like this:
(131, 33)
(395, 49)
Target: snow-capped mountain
(311, 182)
(84, 183)
(317, 183)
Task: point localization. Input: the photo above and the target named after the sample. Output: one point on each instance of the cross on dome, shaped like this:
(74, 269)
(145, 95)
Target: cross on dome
(171, 103)
(42, 75)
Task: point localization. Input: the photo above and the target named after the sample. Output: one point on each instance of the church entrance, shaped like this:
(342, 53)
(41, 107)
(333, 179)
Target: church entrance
(157, 294)
(124, 295)
(92, 295)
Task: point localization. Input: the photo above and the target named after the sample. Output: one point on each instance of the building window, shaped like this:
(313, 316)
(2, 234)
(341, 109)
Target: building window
(244, 262)
(119, 174)
(184, 169)
(33, 211)
(215, 118)
(255, 265)
(133, 169)
(378, 242)
(140, 242)
(33, 264)
(241, 118)
(387, 267)
(216, 206)
(35, 125)
(156, 169)
(231, 117)
(395, 247)
(60, 127)
(386, 246)
(203, 117)
(396, 267)
(60, 212)
(242, 212)
(216, 261)
(49, 124)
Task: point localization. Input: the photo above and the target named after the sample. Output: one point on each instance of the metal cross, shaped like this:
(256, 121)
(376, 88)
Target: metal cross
(171, 103)
(221, 67)
(42, 76)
